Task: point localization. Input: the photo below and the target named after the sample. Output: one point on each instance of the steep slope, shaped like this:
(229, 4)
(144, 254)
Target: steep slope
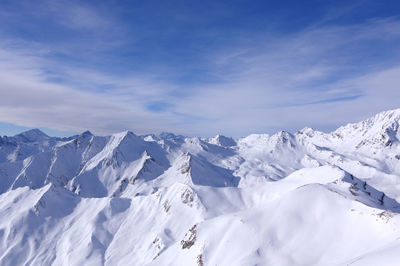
(124, 158)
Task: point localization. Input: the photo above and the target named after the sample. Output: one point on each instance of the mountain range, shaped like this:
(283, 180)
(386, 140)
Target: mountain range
(308, 198)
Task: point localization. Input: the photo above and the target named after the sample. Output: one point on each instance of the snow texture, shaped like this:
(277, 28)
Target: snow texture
(309, 198)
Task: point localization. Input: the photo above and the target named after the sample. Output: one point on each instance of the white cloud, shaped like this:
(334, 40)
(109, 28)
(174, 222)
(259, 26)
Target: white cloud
(296, 81)
(268, 84)
(29, 99)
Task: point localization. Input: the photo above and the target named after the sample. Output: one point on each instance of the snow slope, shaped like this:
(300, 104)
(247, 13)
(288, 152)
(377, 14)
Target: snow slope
(309, 198)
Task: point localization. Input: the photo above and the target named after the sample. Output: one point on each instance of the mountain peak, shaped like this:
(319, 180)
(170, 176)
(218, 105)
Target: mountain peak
(124, 135)
(381, 128)
(221, 140)
(169, 135)
(380, 120)
(87, 133)
(32, 135)
(308, 131)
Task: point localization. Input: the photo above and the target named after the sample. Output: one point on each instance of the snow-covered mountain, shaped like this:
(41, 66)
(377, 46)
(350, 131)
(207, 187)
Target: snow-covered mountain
(308, 198)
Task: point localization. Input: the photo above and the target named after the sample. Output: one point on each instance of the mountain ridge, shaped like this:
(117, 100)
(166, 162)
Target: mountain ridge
(166, 199)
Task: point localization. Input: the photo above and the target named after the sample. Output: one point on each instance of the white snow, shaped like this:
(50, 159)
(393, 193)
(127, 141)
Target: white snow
(308, 198)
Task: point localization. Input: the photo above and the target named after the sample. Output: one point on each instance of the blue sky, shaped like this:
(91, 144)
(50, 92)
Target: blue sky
(196, 67)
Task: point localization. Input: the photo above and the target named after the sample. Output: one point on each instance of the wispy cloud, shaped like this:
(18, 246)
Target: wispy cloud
(256, 82)
(297, 80)
(30, 98)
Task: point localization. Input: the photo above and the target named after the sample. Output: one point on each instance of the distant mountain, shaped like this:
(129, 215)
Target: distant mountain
(308, 198)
